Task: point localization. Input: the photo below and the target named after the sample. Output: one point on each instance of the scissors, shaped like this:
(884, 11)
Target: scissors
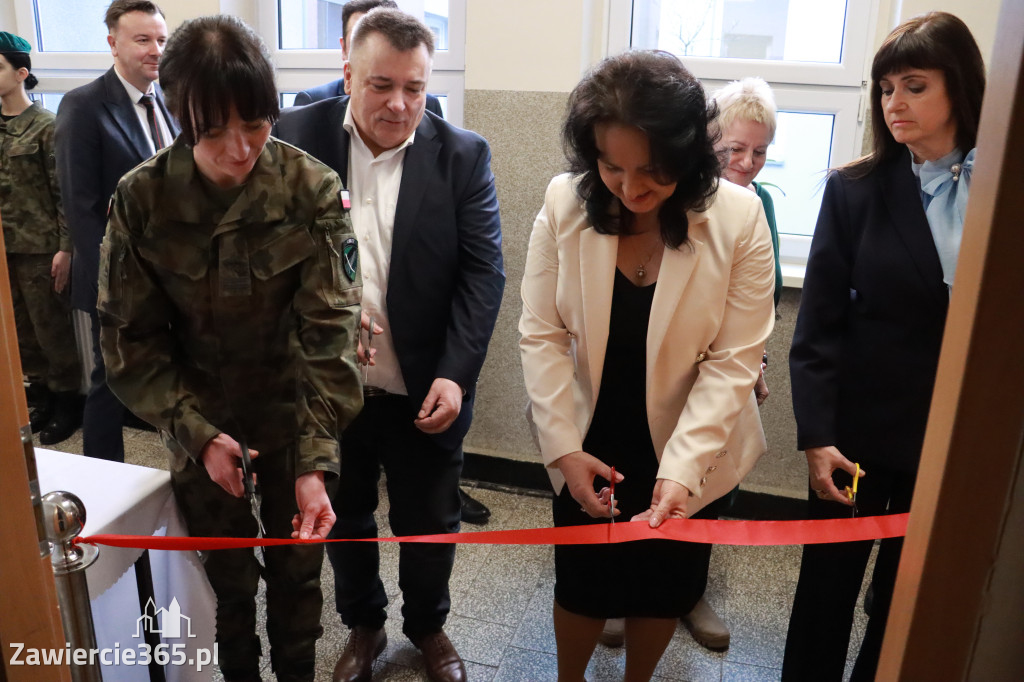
(254, 498)
(611, 496)
(851, 493)
(369, 345)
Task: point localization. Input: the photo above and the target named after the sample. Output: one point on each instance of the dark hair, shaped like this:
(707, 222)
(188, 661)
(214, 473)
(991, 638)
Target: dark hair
(210, 64)
(650, 90)
(403, 31)
(22, 60)
(936, 40)
(119, 8)
(360, 7)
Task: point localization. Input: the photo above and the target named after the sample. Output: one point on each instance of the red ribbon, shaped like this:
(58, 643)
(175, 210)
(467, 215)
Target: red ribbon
(804, 532)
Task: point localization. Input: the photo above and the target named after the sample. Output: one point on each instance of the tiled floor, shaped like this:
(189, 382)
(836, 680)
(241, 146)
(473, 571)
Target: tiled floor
(502, 595)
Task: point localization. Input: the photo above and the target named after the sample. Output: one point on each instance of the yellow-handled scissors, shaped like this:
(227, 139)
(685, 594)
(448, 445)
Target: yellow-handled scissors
(851, 493)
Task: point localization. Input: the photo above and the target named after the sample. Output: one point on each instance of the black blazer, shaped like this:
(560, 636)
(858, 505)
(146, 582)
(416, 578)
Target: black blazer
(337, 89)
(871, 319)
(446, 277)
(99, 138)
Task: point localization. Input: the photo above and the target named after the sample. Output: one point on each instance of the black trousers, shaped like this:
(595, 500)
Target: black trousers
(423, 491)
(292, 572)
(830, 581)
(102, 420)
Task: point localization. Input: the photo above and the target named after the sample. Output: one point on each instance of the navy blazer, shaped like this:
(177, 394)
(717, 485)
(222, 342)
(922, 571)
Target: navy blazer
(872, 313)
(446, 277)
(99, 138)
(337, 89)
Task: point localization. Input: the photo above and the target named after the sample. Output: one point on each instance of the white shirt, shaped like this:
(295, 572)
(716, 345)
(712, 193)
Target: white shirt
(134, 94)
(373, 185)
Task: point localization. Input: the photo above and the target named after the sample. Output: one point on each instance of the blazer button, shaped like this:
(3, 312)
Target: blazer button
(703, 481)
(721, 454)
(711, 468)
(701, 356)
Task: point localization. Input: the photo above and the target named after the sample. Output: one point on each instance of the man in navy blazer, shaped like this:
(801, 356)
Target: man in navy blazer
(102, 132)
(473, 511)
(425, 212)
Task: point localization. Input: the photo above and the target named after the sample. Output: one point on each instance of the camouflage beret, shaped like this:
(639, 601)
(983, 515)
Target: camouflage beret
(12, 43)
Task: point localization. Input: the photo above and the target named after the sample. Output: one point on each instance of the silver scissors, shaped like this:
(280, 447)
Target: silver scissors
(254, 498)
(611, 497)
(366, 351)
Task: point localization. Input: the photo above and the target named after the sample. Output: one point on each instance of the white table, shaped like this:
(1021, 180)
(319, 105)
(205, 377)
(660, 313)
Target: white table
(132, 500)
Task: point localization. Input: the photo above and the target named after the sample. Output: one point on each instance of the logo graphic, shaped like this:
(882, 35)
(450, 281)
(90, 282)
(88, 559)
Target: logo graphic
(166, 622)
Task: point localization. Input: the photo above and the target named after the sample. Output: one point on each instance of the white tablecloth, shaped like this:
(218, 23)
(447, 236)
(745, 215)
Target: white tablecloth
(132, 500)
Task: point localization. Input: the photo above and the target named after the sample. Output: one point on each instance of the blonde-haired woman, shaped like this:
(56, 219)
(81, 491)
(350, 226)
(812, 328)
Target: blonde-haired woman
(747, 123)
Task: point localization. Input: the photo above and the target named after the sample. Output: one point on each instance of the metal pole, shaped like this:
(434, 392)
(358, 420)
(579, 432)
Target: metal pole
(64, 514)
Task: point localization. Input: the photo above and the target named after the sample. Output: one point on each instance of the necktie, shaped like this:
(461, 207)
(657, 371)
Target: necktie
(149, 102)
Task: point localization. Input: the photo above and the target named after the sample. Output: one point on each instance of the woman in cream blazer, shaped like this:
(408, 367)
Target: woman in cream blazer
(641, 225)
(711, 315)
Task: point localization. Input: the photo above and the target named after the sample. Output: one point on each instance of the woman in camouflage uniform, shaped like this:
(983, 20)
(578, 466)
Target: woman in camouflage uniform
(229, 304)
(38, 247)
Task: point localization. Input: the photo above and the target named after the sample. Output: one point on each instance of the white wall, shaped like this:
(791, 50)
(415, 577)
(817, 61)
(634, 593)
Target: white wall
(527, 45)
(979, 15)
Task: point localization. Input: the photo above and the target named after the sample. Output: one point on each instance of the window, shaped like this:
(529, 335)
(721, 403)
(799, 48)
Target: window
(49, 100)
(812, 52)
(316, 24)
(307, 51)
(70, 25)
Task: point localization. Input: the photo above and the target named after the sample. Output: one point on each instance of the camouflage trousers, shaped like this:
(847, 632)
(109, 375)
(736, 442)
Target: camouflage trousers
(46, 338)
(292, 573)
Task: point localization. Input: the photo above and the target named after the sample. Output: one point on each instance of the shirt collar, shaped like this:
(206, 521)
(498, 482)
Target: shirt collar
(134, 94)
(18, 124)
(349, 125)
(955, 156)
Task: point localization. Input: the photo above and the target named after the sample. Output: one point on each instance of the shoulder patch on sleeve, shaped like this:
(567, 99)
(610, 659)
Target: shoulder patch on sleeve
(350, 257)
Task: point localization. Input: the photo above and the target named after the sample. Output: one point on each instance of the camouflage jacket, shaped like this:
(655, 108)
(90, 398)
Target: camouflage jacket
(240, 320)
(30, 207)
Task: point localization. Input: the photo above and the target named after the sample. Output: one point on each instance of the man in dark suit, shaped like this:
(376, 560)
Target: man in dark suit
(425, 211)
(473, 511)
(104, 129)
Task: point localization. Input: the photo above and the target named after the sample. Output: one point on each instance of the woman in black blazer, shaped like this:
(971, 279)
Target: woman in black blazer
(870, 325)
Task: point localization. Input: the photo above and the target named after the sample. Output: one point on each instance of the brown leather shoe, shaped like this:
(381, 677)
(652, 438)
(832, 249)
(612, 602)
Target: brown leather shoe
(356, 662)
(440, 658)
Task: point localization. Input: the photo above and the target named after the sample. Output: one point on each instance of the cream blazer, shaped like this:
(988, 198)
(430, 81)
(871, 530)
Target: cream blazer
(711, 314)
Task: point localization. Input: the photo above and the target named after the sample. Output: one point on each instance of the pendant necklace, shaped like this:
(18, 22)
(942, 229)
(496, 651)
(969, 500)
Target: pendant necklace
(641, 269)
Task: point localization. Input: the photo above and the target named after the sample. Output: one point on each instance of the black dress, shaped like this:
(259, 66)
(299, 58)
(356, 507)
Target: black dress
(650, 578)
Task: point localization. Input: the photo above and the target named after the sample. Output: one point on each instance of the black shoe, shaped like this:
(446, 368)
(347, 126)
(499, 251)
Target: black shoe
(473, 511)
(67, 417)
(40, 406)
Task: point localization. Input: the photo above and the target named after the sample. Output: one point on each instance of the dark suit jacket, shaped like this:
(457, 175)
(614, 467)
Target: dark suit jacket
(99, 138)
(337, 89)
(871, 318)
(446, 276)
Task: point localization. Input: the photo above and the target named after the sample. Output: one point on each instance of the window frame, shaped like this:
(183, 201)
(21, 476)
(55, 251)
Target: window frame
(857, 31)
(838, 89)
(452, 59)
(54, 60)
(298, 70)
(295, 70)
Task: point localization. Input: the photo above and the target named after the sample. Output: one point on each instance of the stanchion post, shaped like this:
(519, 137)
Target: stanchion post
(64, 514)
